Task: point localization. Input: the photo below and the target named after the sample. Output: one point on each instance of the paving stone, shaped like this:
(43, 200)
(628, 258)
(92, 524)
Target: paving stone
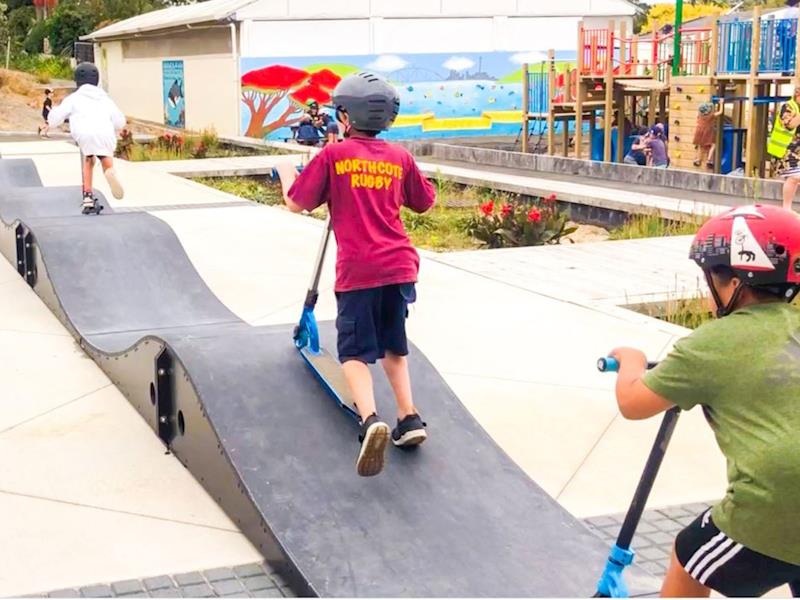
(685, 520)
(601, 521)
(674, 512)
(123, 588)
(258, 583)
(201, 590)
(227, 586)
(239, 595)
(166, 593)
(280, 580)
(158, 583)
(640, 541)
(219, 574)
(97, 591)
(666, 525)
(192, 578)
(134, 595)
(268, 593)
(653, 554)
(288, 592)
(249, 570)
(65, 593)
(660, 538)
(698, 507)
(647, 527)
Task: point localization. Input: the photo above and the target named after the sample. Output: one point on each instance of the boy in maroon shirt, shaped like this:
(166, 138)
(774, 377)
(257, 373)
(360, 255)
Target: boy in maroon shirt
(365, 181)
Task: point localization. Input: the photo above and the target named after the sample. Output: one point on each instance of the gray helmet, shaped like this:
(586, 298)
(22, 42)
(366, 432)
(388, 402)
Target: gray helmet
(86, 72)
(370, 102)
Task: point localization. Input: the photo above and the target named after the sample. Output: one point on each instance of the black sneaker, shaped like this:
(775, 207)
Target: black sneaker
(89, 203)
(374, 438)
(409, 432)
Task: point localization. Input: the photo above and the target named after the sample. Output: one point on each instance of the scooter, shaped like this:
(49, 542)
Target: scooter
(325, 367)
(612, 583)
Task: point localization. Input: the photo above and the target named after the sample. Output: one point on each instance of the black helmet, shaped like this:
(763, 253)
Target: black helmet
(87, 72)
(370, 102)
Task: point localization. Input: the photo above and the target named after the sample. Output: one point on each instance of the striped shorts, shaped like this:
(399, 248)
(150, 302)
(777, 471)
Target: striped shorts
(718, 562)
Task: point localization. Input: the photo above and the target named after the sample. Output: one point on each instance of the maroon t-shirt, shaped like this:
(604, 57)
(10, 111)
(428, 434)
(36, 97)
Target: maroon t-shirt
(365, 181)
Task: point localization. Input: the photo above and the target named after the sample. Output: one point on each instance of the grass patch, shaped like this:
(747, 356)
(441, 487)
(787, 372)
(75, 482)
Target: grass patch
(654, 225)
(689, 312)
(171, 146)
(257, 189)
(18, 83)
(440, 229)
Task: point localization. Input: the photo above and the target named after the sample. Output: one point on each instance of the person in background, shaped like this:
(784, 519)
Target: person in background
(784, 146)
(657, 147)
(636, 155)
(705, 135)
(47, 106)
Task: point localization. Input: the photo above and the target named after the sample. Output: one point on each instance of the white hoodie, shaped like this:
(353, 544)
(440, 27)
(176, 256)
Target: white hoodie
(94, 120)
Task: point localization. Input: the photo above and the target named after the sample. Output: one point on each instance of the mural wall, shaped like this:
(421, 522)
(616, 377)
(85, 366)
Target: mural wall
(441, 95)
(174, 89)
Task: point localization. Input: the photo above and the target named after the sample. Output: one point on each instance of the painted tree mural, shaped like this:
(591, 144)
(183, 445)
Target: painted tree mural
(264, 89)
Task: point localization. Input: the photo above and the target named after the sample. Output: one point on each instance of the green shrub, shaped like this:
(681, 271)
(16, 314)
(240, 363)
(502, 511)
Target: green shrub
(654, 225)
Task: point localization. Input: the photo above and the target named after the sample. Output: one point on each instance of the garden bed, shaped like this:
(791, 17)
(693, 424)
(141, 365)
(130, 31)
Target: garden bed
(171, 146)
(468, 217)
(691, 312)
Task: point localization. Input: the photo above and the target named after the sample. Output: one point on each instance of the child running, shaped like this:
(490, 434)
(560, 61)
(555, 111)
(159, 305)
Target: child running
(744, 371)
(365, 181)
(47, 106)
(94, 121)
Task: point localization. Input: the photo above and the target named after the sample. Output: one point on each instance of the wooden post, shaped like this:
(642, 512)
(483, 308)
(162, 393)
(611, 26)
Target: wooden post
(579, 62)
(720, 126)
(526, 104)
(551, 122)
(623, 50)
(712, 56)
(579, 97)
(652, 108)
(635, 55)
(619, 96)
(752, 117)
(609, 84)
(565, 136)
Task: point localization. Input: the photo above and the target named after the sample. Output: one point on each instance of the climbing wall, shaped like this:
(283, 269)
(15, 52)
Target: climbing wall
(686, 94)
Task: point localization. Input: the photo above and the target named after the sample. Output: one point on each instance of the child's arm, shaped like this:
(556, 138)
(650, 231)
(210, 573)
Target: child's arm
(117, 117)
(634, 398)
(308, 190)
(419, 193)
(60, 113)
(288, 174)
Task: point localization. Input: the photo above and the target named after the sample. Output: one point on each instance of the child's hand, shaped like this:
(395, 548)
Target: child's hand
(287, 174)
(629, 357)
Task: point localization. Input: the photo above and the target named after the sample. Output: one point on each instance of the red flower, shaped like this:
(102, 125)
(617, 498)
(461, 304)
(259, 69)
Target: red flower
(534, 216)
(506, 210)
(550, 199)
(488, 208)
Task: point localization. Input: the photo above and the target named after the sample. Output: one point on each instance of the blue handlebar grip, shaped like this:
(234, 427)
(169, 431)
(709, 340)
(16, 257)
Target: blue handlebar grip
(608, 364)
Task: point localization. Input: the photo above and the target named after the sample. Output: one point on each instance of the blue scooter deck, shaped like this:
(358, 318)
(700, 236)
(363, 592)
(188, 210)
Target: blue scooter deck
(329, 371)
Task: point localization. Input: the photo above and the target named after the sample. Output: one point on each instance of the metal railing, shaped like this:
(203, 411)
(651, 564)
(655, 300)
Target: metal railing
(778, 46)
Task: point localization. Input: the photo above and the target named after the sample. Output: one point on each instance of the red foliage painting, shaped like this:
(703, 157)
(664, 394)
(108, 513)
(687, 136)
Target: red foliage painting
(264, 89)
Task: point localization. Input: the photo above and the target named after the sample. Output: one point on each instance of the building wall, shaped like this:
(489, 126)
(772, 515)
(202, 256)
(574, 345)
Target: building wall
(133, 76)
(378, 35)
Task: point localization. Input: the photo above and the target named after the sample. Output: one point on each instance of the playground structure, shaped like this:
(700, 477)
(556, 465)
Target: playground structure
(741, 65)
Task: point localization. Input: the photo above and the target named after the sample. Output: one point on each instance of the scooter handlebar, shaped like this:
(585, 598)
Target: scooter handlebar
(609, 364)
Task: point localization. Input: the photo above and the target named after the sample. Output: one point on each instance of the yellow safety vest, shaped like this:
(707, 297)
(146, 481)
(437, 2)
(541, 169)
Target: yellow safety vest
(781, 137)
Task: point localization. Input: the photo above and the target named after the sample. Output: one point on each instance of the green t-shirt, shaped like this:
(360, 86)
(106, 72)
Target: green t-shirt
(744, 370)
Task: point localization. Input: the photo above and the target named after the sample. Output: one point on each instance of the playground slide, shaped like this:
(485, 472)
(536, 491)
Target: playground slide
(239, 408)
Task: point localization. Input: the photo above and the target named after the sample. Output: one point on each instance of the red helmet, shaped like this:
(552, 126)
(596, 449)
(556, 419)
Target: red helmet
(761, 244)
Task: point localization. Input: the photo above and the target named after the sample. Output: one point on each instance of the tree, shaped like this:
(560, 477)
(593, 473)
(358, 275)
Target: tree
(664, 14)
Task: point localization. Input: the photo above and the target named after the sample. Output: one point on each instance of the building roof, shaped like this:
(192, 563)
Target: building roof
(175, 16)
(215, 11)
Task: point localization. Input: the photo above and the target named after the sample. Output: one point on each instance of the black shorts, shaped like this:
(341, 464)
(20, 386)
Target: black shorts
(718, 562)
(372, 322)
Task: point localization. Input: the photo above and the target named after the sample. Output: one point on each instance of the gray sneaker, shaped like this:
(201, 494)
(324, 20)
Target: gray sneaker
(409, 432)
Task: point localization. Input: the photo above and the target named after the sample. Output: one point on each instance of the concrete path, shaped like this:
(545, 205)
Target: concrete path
(241, 166)
(519, 354)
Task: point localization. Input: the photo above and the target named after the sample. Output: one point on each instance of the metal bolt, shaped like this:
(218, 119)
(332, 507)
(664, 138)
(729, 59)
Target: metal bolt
(161, 372)
(162, 419)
